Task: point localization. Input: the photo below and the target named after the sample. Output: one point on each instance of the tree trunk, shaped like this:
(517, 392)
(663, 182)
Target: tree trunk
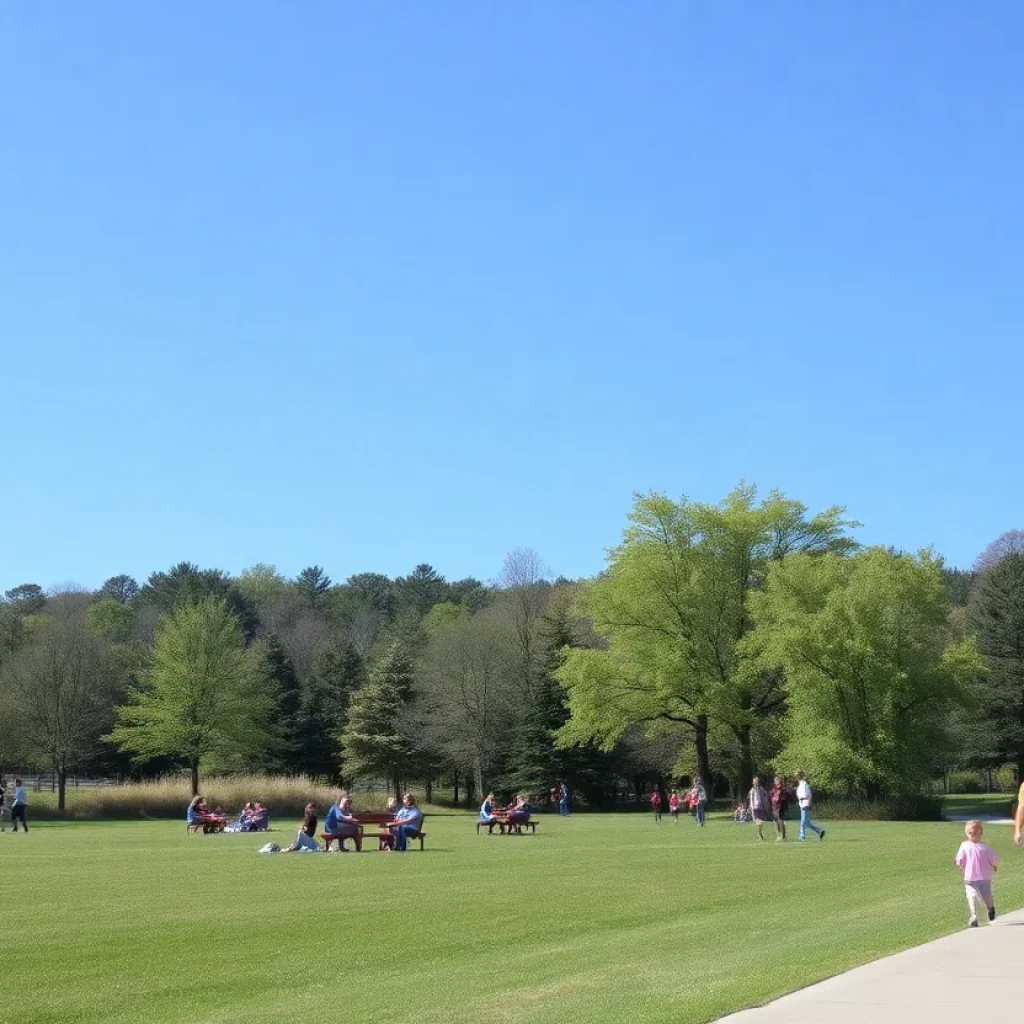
(195, 778)
(478, 776)
(455, 788)
(700, 743)
(470, 791)
(746, 758)
(429, 798)
(398, 788)
(62, 785)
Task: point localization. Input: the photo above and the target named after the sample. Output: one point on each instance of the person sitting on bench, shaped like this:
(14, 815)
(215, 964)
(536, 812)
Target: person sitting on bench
(520, 812)
(306, 839)
(487, 815)
(260, 820)
(340, 824)
(406, 823)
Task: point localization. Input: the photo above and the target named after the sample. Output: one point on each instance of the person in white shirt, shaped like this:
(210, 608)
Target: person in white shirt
(18, 808)
(805, 798)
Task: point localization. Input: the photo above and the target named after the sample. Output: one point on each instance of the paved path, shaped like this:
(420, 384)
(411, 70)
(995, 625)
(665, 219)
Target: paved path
(977, 971)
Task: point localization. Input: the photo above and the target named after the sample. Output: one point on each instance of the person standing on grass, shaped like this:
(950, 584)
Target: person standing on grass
(698, 799)
(673, 805)
(563, 800)
(805, 798)
(656, 803)
(18, 808)
(3, 796)
(760, 804)
(779, 797)
(978, 861)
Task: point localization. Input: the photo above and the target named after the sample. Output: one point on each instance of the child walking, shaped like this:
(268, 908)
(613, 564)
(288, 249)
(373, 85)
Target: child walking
(978, 861)
(656, 803)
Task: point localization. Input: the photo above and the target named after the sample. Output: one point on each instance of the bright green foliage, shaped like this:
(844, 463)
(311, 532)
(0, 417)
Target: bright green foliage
(111, 619)
(999, 620)
(673, 606)
(262, 584)
(871, 675)
(599, 919)
(373, 743)
(201, 703)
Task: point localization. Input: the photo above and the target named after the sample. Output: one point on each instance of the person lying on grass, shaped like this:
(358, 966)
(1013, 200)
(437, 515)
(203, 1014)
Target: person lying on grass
(306, 839)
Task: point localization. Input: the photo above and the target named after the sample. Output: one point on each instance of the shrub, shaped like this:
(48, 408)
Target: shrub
(896, 808)
(169, 798)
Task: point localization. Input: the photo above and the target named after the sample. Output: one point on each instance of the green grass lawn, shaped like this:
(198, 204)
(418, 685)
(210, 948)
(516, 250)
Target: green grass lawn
(979, 803)
(597, 918)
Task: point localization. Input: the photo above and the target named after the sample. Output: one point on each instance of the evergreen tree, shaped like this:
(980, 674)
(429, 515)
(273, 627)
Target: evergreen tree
(421, 589)
(372, 742)
(185, 583)
(325, 699)
(999, 620)
(122, 589)
(312, 584)
(278, 673)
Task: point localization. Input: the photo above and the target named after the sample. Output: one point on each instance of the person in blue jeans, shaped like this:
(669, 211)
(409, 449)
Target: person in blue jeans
(698, 800)
(563, 800)
(805, 798)
(406, 823)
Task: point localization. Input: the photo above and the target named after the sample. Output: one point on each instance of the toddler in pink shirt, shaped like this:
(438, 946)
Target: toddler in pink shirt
(978, 861)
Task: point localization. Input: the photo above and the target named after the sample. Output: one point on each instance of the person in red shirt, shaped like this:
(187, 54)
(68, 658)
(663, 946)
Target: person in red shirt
(673, 805)
(656, 803)
(779, 797)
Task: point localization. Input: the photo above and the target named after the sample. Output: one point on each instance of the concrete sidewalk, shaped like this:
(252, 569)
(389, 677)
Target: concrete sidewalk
(977, 970)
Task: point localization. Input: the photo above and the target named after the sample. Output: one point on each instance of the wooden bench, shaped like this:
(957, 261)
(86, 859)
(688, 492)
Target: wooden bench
(506, 827)
(373, 820)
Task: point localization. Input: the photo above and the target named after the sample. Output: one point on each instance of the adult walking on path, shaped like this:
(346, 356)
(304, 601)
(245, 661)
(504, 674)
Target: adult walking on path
(805, 798)
(19, 806)
(970, 973)
(1018, 818)
(760, 805)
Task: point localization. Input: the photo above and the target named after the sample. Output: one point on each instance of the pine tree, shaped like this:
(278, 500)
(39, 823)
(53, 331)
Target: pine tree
(312, 584)
(372, 742)
(999, 620)
(278, 673)
(325, 699)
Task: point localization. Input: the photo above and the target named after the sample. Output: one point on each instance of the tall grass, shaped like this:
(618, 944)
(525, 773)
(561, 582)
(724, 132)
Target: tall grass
(169, 798)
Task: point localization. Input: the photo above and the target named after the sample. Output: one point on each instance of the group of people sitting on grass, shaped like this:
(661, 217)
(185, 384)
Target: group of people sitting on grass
(401, 824)
(510, 818)
(254, 818)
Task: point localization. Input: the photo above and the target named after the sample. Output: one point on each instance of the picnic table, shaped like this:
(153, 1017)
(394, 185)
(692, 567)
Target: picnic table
(372, 820)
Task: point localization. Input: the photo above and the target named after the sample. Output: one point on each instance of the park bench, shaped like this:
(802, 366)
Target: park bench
(505, 827)
(373, 819)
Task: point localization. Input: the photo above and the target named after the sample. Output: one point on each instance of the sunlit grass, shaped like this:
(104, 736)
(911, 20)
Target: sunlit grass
(598, 918)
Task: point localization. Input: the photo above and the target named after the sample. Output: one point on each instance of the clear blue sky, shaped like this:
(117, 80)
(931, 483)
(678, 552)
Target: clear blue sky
(375, 284)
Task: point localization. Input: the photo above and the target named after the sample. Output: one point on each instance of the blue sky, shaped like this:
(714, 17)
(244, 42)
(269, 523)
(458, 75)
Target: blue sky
(374, 284)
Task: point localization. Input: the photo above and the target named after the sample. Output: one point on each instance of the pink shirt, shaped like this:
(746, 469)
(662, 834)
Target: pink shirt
(977, 860)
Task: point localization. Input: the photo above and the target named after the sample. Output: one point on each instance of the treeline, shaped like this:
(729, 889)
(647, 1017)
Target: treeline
(721, 639)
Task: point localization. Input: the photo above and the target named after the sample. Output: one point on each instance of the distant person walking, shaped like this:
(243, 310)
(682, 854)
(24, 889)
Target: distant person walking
(18, 808)
(656, 803)
(563, 800)
(779, 797)
(3, 796)
(978, 861)
(805, 798)
(673, 805)
(760, 806)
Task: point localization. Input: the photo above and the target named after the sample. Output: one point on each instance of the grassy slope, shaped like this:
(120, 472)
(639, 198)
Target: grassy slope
(597, 918)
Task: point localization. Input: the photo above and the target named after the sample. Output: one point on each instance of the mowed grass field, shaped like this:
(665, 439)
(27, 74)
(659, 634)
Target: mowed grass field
(597, 918)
